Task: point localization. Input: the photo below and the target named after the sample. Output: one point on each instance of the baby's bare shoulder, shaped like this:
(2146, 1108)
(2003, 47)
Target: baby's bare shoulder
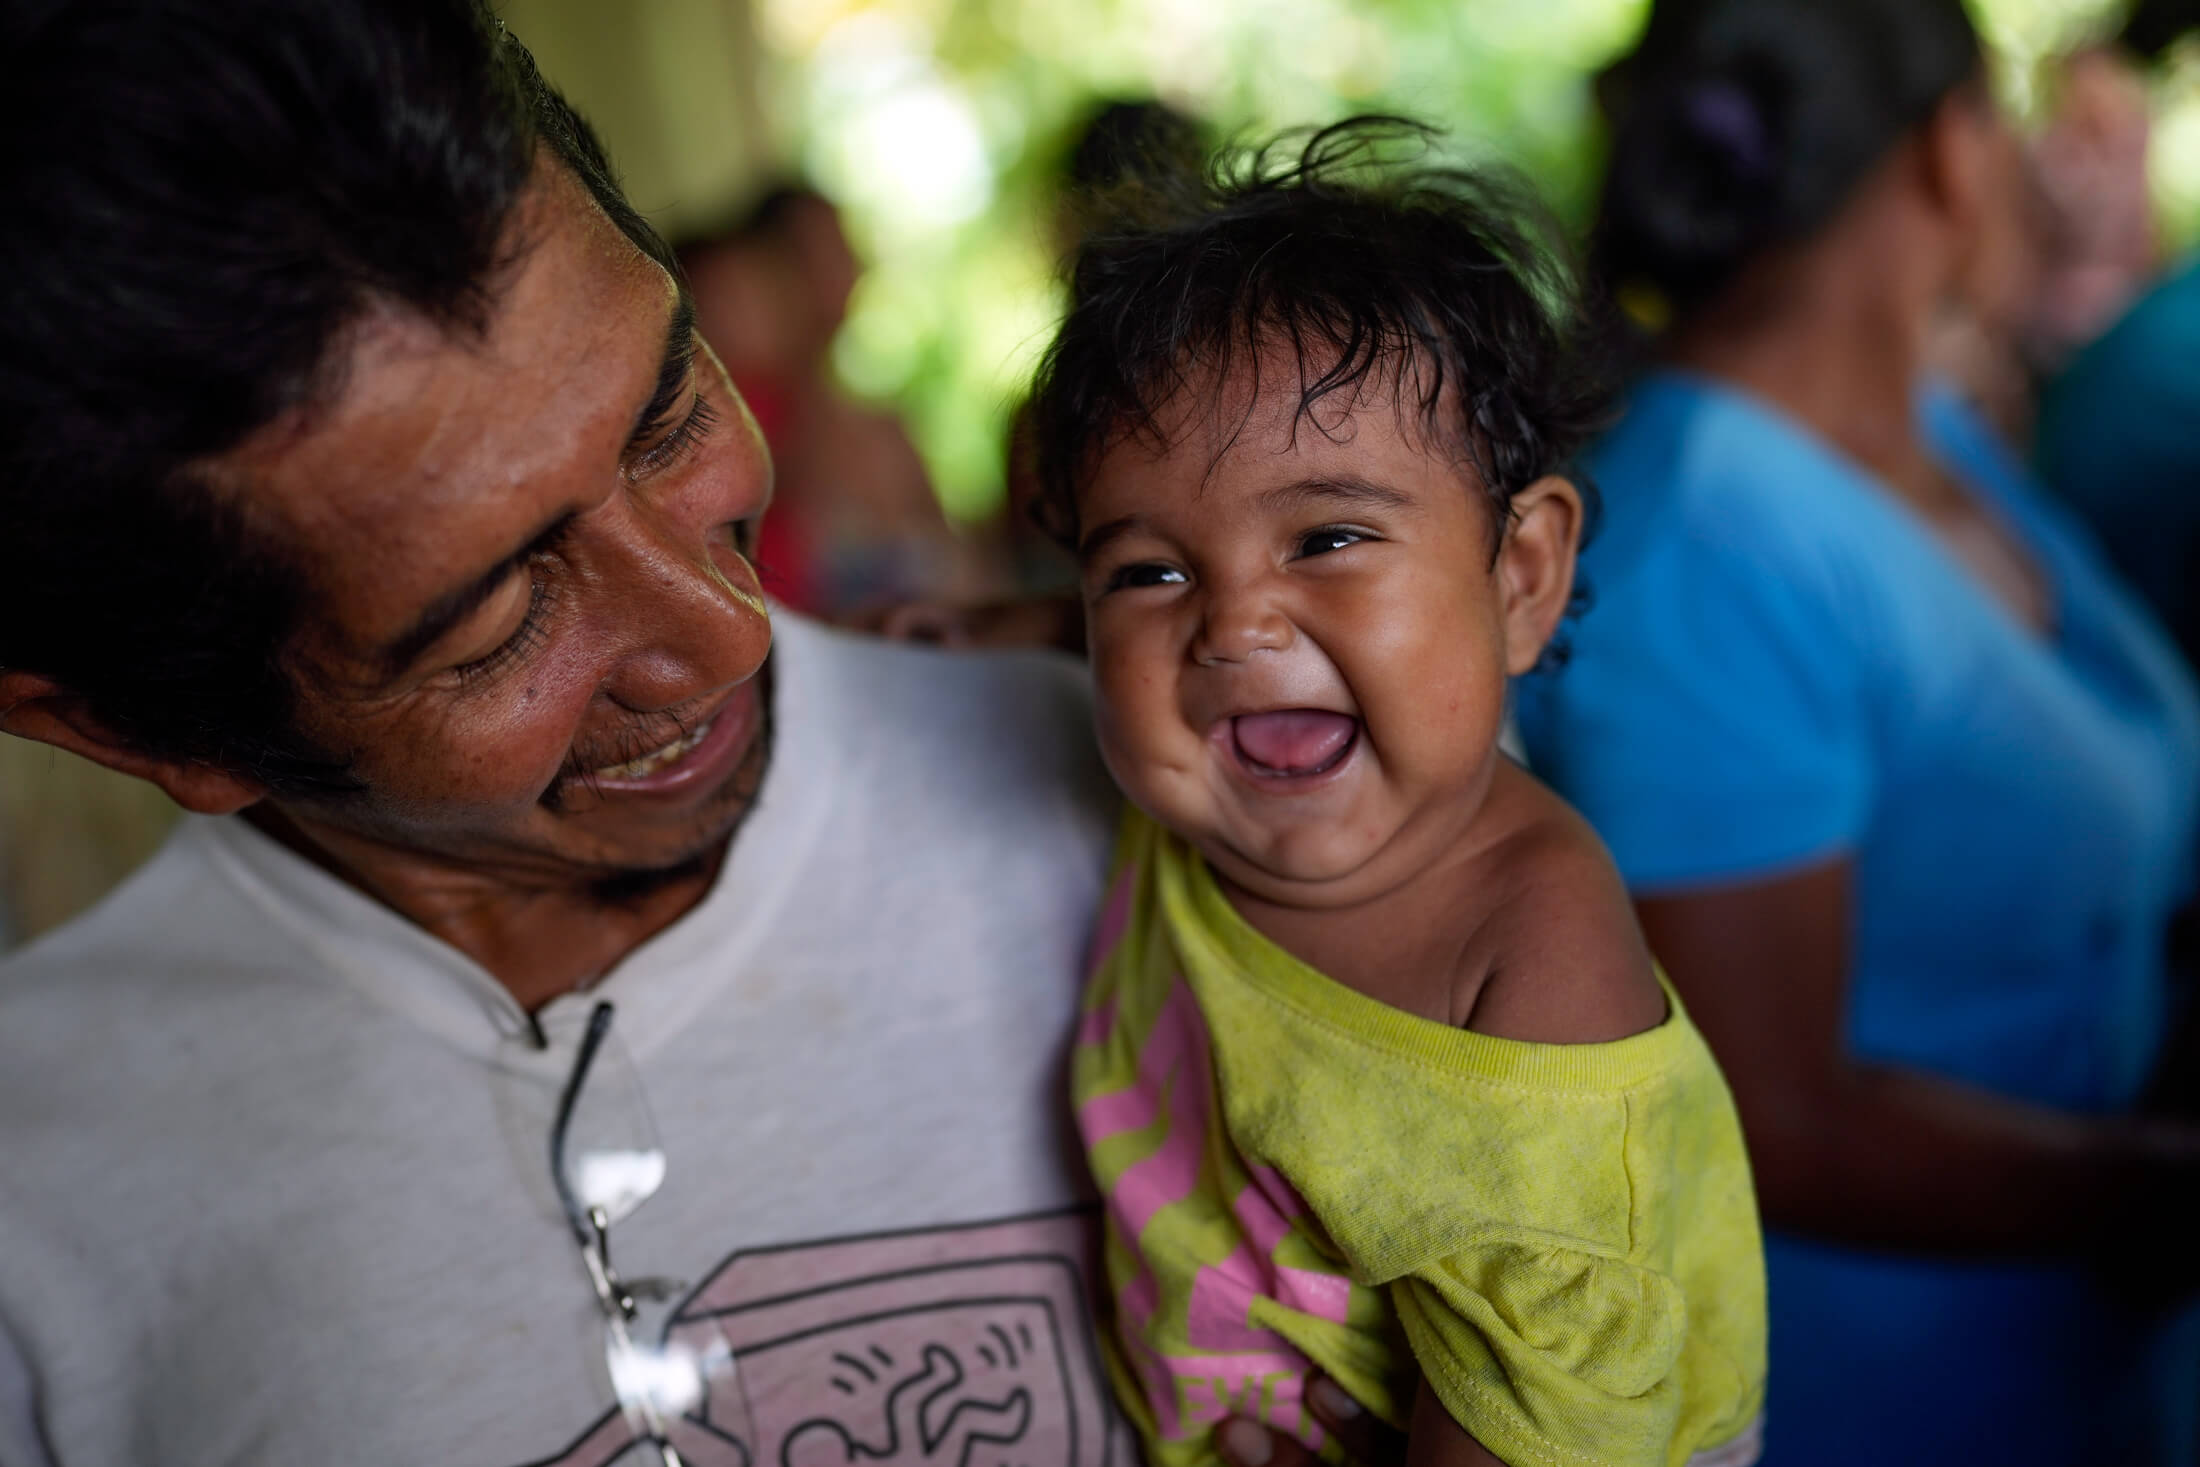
(1564, 961)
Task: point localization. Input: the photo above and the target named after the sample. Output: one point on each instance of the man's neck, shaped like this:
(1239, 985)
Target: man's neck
(539, 939)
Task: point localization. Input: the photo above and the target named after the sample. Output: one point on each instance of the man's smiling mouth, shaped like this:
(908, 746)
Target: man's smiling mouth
(1293, 743)
(657, 759)
(691, 765)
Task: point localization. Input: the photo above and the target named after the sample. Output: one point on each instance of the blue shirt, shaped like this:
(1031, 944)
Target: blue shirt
(2118, 440)
(1782, 666)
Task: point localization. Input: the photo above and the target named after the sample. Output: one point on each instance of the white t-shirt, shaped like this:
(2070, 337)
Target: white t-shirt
(274, 1178)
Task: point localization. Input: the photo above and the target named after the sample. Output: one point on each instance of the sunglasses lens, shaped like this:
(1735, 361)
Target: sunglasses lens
(613, 1159)
(662, 1386)
(617, 1180)
(671, 1379)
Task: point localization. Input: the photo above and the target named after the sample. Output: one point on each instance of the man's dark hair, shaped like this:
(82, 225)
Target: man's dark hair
(1742, 125)
(1364, 268)
(202, 196)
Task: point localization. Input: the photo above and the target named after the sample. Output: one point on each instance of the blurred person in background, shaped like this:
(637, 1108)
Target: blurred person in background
(366, 488)
(2090, 240)
(854, 522)
(2119, 439)
(2117, 436)
(1906, 783)
(2092, 163)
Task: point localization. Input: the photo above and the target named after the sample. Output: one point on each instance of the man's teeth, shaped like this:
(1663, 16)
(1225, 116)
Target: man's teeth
(650, 763)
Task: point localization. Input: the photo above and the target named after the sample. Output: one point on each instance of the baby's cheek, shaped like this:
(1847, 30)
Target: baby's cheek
(1126, 747)
(1155, 772)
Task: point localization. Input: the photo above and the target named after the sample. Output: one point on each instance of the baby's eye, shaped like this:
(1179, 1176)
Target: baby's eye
(1145, 573)
(1322, 542)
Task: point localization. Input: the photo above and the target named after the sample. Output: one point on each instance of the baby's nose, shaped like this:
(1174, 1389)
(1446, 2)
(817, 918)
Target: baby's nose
(1237, 627)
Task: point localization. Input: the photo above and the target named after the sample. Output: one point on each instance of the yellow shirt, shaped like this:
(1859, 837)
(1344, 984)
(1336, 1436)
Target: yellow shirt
(1561, 1238)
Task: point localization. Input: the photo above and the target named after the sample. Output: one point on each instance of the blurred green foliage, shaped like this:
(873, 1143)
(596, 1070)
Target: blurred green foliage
(939, 124)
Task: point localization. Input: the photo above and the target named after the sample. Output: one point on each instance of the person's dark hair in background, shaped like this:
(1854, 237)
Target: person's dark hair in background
(1129, 135)
(1121, 138)
(1741, 128)
(2156, 25)
(1904, 785)
(209, 304)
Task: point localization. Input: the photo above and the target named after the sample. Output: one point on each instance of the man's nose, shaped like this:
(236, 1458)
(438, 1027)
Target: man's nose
(1240, 620)
(688, 614)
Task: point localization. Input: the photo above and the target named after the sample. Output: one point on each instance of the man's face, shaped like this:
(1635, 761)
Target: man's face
(533, 627)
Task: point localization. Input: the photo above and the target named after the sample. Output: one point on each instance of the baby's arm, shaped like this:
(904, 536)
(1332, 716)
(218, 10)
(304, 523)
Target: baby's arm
(1435, 1440)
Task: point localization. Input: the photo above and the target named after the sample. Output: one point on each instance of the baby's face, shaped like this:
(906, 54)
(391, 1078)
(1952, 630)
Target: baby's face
(1299, 639)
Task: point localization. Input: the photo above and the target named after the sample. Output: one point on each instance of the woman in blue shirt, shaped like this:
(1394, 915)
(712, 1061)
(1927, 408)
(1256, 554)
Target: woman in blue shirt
(1906, 784)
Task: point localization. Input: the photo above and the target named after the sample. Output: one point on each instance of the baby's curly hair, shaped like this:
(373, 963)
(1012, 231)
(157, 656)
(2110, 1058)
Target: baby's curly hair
(1352, 252)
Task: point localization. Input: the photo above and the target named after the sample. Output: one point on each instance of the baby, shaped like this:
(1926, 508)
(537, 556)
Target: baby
(1375, 1071)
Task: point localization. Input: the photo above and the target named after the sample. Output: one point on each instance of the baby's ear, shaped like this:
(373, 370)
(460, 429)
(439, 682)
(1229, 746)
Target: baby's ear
(1535, 567)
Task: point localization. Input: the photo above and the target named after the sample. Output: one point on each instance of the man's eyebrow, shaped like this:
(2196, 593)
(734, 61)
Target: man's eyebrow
(672, 370)
(454, 606)
(1348, 490)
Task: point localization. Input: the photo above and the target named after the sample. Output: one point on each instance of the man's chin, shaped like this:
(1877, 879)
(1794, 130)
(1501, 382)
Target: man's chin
(633, 888)
(640, 863)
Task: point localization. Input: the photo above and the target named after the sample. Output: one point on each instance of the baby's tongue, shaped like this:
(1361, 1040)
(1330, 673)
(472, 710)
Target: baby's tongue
(1296, 741)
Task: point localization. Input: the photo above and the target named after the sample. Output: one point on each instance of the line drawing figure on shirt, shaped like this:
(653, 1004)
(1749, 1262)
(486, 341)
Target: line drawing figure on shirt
(928, 1419)
(952, 1347)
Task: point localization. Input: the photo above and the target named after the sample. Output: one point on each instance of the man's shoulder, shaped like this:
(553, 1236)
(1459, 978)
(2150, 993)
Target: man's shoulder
(94, 1011)
(1006, 726)
(180, 929)
(138, 916)
(1030, 680)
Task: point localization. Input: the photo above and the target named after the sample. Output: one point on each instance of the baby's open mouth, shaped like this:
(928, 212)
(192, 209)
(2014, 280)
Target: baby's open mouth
(1294, 743)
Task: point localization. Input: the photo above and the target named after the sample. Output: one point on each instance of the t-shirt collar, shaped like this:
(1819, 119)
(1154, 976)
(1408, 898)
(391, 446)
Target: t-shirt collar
(658, 986)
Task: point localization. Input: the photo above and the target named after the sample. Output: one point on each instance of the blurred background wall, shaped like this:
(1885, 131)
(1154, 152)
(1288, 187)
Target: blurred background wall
(69, 830)
(938, 126)
(675, 87)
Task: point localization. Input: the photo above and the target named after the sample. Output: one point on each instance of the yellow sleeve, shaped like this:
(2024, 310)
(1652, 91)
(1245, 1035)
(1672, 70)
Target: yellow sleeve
(1548, 1355)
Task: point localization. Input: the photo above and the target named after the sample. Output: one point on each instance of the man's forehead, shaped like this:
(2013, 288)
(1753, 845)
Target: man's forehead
(432, 443)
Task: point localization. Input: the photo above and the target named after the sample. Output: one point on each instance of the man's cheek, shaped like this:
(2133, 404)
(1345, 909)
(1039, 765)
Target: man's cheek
(508, 754)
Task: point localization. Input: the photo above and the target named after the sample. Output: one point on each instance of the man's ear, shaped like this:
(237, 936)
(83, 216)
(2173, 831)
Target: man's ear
(1535, 567)
(37, 708)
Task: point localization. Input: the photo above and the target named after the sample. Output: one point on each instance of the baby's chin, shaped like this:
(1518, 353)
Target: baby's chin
(1310, 869)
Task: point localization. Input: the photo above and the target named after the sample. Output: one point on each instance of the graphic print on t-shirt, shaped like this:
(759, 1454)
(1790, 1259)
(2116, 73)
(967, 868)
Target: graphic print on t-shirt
(954, 1347)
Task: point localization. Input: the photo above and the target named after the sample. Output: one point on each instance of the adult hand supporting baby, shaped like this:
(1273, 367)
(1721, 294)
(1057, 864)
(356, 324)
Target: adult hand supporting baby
(1245, 1442)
